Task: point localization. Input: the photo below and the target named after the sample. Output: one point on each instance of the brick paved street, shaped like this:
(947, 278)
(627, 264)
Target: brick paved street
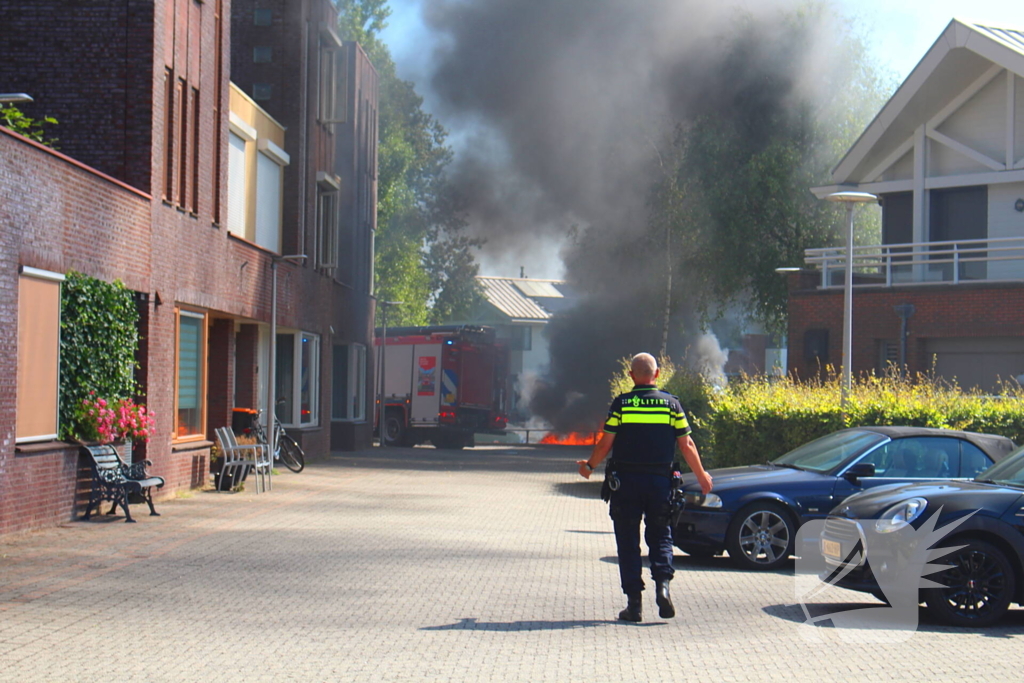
(491, 564)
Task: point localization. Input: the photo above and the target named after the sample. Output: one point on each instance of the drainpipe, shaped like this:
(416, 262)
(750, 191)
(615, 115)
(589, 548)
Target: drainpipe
(904, 311)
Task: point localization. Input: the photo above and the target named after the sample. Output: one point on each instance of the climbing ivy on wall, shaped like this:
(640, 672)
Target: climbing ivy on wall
(98, 340)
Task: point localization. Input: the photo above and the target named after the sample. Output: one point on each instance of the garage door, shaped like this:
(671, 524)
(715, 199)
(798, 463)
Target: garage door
(977, 362)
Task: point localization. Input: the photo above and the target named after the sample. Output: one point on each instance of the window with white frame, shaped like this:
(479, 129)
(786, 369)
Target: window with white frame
(349, 382)
(241, 143)
(236, 185)
(38, 355)
(332, 71)
(297, 384)
(327, 192)
(270, 163)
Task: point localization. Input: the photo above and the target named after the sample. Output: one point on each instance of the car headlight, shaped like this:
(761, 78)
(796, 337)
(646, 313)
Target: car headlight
(900, 515)
(699, 500)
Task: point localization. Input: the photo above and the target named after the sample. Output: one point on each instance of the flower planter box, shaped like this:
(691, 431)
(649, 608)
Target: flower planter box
(235, 477)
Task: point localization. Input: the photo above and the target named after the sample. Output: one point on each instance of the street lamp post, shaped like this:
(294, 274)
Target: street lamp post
(849, 199)
(12, 97)
(383, 359)
(272, 365)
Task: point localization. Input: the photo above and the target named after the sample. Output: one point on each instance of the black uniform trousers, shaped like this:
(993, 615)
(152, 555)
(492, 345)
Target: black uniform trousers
(647, 497)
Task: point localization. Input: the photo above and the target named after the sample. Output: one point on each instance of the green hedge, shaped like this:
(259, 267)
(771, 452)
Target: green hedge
(98, 341)
(757, 419)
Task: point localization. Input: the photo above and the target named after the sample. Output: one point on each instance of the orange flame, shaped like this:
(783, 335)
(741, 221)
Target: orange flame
(571, 439)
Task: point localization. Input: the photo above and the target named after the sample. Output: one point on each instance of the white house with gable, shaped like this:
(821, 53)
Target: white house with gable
(945, 288)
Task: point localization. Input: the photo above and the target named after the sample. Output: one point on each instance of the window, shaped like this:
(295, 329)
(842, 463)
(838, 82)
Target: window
(888, 355)
(917, 458)
(194, 206)
(973, 460)
(262, 17)
(261, 91)
(190, 375)
(332, 70)
(218, 91)
(269, 191)
(959, 213)
(262, 55)
(349, 390)
(38, 355)
(327, 192)
(181, 92)
(169, 137)
(236, 184)
(297, 384)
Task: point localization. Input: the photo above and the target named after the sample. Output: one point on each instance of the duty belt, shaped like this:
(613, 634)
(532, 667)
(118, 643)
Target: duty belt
(660, 468)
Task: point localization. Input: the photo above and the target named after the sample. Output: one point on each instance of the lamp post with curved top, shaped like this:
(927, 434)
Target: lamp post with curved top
(849, 198)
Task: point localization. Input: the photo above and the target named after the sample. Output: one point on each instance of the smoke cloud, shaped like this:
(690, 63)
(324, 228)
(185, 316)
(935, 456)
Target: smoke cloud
(564, 110)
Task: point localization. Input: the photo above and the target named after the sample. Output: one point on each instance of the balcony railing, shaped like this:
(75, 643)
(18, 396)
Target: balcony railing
(923, 263)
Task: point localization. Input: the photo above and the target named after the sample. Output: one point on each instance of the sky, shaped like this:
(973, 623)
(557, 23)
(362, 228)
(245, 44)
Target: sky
(899, 32)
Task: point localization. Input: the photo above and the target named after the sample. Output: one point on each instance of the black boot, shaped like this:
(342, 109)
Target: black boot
(666, 610)
(634, 608)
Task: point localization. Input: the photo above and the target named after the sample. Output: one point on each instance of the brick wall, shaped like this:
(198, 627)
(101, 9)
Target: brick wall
(89, 64)
(946, 311)
(55, 215)
(59, 214)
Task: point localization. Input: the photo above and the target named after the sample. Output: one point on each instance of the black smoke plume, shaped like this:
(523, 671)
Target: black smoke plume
(567, 111)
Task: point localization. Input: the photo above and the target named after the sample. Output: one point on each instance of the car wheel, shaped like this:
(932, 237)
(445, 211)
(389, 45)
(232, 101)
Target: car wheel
(976, 589)
(761, 536)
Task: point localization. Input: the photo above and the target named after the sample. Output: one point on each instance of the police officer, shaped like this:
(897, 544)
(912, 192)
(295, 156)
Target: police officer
(645, 425)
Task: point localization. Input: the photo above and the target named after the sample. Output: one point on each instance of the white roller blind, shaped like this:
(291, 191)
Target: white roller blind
(268, 203)
(236, 185)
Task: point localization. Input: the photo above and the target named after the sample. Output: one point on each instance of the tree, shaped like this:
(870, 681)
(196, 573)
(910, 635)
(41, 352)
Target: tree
(453, 270)
(13, 118)
(735, 198)
(423, 257)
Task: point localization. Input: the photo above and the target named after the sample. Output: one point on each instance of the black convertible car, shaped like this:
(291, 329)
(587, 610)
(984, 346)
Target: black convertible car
(754, 512)
(980, 521)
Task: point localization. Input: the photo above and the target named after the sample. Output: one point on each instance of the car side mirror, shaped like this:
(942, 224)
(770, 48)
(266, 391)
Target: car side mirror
(861, 469)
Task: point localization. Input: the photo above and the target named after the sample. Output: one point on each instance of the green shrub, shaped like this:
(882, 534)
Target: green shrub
(755, 419)
(98, 341)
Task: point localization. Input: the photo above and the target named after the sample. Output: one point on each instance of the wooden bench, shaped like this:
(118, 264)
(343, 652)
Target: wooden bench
(116, 481)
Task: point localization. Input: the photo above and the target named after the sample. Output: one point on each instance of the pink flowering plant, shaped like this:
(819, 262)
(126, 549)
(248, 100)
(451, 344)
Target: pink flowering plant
(116, 420)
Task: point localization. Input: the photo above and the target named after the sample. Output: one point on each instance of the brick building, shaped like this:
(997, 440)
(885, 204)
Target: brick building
(145, 188)
(945, 288)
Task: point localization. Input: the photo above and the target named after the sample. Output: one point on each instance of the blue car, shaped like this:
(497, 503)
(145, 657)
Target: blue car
(754, 512)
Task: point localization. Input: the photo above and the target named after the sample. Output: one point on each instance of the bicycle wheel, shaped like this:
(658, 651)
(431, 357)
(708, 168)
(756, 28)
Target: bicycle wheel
(291, 453)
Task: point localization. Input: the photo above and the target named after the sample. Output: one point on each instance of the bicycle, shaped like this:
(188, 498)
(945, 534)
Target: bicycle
(285, 448)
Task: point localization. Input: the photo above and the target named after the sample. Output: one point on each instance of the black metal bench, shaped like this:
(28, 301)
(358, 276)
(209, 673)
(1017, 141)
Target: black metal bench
(117, 482)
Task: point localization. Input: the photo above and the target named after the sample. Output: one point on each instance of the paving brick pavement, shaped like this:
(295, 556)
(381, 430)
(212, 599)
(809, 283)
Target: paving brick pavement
(490, 564)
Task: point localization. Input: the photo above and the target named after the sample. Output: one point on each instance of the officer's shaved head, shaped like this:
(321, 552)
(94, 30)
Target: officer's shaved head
(644, 368)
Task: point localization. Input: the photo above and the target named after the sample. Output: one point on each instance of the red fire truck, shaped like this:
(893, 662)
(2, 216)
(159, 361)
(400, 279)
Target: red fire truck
(442, 384)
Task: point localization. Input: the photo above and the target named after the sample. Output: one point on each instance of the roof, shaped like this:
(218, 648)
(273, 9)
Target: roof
(521, 299)
(997, 447)
(962, 60)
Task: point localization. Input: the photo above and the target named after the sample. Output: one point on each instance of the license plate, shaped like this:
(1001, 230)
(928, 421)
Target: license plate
(831, 548)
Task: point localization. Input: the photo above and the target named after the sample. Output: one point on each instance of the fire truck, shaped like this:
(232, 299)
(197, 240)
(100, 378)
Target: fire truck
(442, 384)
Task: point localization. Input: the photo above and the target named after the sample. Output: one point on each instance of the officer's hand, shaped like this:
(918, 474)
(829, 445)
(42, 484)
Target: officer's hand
(704, 479)
(585, 471)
